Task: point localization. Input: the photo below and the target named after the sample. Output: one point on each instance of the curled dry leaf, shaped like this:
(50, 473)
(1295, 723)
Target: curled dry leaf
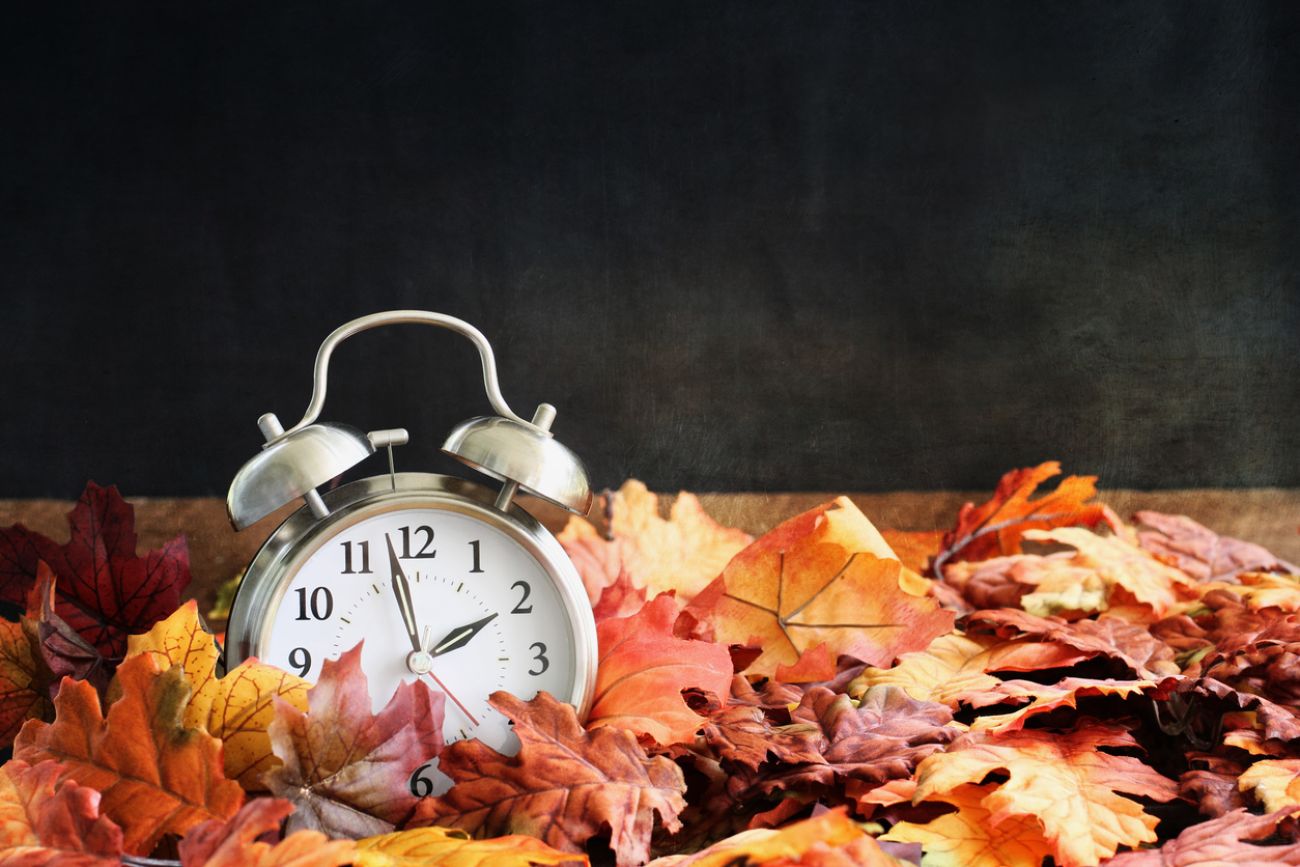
(59, 650)
(823, 577)
(1064, 780)
(345, 769)
(955, 668)
(1274, 782)
(975, 835)
(22, 696)
(1211, 784)
(157, 775)
(234, 843)
(447, 847)
(1201, 552)
(1144, 655)
(48, 819)
(105, 591)
(563, 787)
(681, 554)
(815, 841)
(996, 526)
(237, 708)
(1225, 840)
(643, 670)
(1066, 693)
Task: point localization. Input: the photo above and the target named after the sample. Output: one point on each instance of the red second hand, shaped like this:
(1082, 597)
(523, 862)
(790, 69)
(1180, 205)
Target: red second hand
(449, 695)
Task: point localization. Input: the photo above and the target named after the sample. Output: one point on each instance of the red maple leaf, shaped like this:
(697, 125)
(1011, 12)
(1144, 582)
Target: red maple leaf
(103, 589)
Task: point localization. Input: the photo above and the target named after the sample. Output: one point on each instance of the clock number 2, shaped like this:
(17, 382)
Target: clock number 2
(322, 603)
(521, 608)
(540, 650)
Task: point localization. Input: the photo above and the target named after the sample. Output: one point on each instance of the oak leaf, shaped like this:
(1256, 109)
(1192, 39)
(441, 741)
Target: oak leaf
(157, 776)
(1202, 553)
(996, 526)
(643, 670)
(682, 553)
(234, 843)
(1217, 842)
(563, 787)
(22, 696)
(825, 576)
(1064, 780)
(237, 708)
(447, 847)
(830, 839)
(45, 819)
(975, 835)
(105, 591)
(955, 668)
(345, 769)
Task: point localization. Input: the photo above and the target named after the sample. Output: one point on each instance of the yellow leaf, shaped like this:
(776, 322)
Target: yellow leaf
(973, 836)
(451, 847)
(813, 841)
(1275, 782)
(236, 708)
(953, 669)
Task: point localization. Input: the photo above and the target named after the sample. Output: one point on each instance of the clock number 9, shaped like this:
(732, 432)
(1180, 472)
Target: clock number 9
(300, 658)
(540, 657)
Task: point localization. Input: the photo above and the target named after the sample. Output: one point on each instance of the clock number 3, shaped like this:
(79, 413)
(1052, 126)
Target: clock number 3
(540, 650)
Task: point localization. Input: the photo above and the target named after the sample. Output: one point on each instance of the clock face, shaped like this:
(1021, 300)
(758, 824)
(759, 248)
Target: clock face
(485, 614)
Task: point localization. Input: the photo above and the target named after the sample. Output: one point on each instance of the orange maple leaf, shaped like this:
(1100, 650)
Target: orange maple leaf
(1220, 841)
(563, 787)
(235, 843)
(643, 670)
(237, 708)
(997, 525)
(823, 577)
(974, 836)
(449, 847)
(157, 776)
(48, 819)
(1064, 781)
(681, 554)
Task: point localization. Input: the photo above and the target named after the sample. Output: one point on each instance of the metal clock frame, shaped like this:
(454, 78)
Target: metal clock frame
(267, 578)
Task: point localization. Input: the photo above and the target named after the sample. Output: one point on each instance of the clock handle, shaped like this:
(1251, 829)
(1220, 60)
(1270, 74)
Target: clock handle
(399, 317)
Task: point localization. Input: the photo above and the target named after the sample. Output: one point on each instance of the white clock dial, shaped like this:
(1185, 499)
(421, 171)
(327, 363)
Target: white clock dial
(485, 612)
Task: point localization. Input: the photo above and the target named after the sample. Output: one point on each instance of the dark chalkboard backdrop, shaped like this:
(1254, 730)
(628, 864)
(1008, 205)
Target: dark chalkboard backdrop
(740, 245)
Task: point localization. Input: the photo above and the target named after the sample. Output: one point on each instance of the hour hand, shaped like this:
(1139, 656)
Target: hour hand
(460, 636)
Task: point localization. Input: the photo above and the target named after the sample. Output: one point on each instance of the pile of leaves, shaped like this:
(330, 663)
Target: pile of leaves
(1040, 683)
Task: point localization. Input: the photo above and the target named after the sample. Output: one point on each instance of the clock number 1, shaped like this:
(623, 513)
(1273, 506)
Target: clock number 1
(477, 567)
(347, 558)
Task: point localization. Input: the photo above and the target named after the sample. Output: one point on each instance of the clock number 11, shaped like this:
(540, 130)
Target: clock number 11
(364, 548)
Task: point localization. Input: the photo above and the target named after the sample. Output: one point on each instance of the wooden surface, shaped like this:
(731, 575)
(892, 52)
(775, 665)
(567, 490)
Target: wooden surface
(1269, 516)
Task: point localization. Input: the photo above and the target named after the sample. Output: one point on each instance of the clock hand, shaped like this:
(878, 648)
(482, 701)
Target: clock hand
(460, 636)
(442, 686)
(402, 590)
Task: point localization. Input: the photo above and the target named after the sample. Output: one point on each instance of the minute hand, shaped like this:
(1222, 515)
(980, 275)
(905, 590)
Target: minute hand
(402, 590)
(460, 636)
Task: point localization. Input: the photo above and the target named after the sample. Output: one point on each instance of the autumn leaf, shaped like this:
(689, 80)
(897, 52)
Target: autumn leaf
(58, 650)
(157, 776)
(447, 847)
(1274, 782)
(1211, 784)
(996, 526)
(975, 835)
(1218, 842)
(681, 554)
(345, 769)
(743, 735)
(48, 819)
(955, 668)
(914, 548)
(1064, 780)
(1259, 591)
(620, 599)
(237, 708)
(1044, 699)
(823, 577)
(1144, 655)
(814, 841)
(563, 787)
(234, 843)
(1202, 553)
(643, 670)
(22, 697)
(105, 591)
(814, 665)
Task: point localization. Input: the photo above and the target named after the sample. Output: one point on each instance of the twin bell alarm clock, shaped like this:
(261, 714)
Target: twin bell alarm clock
(446, 580)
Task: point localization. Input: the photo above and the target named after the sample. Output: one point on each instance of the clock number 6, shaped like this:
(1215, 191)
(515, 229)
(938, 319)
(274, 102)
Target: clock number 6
(540, 657)
(422, 786)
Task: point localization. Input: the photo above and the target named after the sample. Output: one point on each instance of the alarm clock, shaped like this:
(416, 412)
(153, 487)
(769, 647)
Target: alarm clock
(445, 580)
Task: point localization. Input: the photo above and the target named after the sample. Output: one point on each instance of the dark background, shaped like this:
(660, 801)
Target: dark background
(740, 245)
